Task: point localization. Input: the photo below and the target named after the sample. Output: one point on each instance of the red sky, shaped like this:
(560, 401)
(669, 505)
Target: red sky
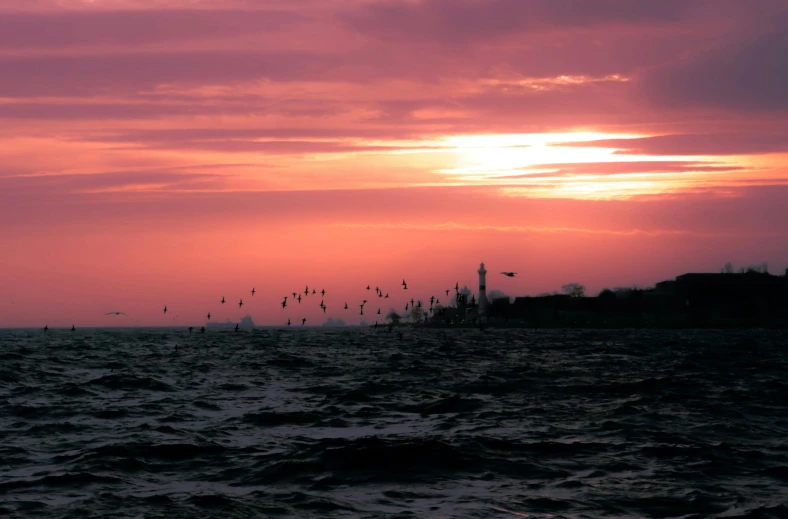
(171, 152)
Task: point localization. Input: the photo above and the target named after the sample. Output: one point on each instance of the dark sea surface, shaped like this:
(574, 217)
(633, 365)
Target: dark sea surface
(319, 423)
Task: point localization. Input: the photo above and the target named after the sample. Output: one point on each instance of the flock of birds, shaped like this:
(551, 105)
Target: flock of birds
(410, 305)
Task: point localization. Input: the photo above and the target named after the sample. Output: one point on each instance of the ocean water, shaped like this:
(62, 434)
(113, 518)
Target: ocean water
(319, 423)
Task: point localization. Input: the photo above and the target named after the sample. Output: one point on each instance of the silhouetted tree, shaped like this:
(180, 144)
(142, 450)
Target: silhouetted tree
(607, 294)
(417, 315)
(607, 298)
(728, 268)
(574, 290)
(393, 317)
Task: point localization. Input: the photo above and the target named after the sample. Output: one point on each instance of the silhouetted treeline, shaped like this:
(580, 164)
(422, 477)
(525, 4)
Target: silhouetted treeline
(753, 298)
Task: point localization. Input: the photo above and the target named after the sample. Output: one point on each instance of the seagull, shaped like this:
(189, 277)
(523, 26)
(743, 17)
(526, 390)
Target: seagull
(299, 299)
(306, 290)
(209, 316)
(447, 292)
(294, 295)
(253, 290)
(165, 309)
(115, 313)
(509, 274)
(367, 287)
(284, 303)
(240, 303)
(303, 321)
(222, 301)
(386, 296)
(378, 311)
(323, 292)
(404, 285)
(345, 306)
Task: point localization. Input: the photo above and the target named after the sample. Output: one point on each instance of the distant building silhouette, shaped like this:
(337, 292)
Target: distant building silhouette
(729, 299)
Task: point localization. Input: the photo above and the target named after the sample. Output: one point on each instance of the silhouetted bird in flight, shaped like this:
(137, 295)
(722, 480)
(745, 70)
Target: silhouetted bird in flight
(236, 327)
(457, 286)
(114, 313)
(386, 296)
(411, 301)
(222, 300)
(253, 290)
(294, 295)
(364, 302)
(299, 299)
(324, 309)
(165, 309)
(345, 306)
(284, 303)
(288, 321)
(314, 291)
(323, 292)
(509, 274)
(406, 307)
(447, 292)
(209, 316)
(367, 287)
(306, 290)
(303, 321)
(378, 311)
(419, 304)
(240, 303)
(404, 285)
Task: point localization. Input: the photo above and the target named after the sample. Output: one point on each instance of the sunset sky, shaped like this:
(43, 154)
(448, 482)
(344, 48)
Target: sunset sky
(172, 152)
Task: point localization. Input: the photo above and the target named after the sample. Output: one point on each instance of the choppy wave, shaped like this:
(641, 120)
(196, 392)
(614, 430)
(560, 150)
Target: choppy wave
(363, 423)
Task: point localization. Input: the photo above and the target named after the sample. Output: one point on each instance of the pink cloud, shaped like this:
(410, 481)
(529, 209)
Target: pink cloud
(61, 28)
(697, 144)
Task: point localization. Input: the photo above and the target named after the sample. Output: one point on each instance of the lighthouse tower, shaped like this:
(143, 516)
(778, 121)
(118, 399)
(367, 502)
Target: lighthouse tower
(482, 290)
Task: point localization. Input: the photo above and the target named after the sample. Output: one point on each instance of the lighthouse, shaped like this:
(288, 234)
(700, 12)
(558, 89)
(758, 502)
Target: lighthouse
(482, 290)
